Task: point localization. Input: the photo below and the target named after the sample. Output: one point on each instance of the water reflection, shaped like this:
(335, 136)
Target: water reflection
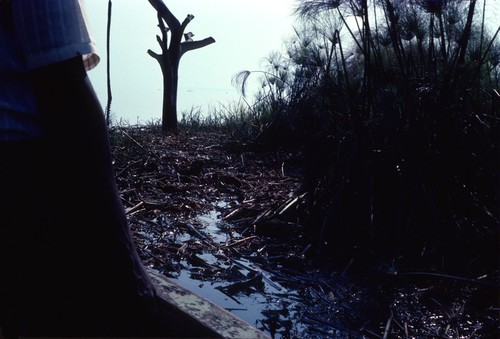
(245, 289)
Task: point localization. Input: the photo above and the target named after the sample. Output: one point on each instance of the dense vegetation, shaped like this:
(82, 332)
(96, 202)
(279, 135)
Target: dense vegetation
(398, 104)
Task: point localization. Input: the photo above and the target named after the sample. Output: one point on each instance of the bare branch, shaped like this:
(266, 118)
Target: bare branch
(155, 56)
(186, 21)
(165, 13)
(190, 45)
(162, 43)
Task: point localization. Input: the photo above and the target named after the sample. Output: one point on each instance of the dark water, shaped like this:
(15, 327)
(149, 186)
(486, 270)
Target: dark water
(254, 305)
(280, 307)
(300, 301)
(270, 309)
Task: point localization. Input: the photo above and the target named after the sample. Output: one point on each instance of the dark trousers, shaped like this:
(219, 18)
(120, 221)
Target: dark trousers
(68, 263)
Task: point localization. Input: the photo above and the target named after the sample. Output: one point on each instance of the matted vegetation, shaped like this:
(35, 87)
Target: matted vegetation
(258, 248)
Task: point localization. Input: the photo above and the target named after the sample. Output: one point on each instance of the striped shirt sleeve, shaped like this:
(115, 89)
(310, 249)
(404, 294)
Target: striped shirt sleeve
(51, 31)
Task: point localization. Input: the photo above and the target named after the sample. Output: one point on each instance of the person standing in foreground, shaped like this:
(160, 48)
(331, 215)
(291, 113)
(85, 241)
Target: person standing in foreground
(67, 260)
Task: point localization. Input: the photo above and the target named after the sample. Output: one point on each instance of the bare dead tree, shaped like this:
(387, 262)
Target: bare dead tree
(171, 53)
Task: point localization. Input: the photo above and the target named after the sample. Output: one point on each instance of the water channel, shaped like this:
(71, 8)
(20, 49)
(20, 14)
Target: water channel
(281, 305)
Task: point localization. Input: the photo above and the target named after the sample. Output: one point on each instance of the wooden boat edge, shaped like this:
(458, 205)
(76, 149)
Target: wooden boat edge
(197, 316)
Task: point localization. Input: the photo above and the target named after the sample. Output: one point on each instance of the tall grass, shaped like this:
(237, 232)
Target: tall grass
(237, 119)
(399, 104)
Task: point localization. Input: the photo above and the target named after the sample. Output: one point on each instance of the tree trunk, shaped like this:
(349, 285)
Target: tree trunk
(169, 109)
(170, 58)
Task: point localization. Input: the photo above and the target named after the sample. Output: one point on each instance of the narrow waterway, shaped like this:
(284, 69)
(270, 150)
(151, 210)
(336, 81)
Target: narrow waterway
(282, 307)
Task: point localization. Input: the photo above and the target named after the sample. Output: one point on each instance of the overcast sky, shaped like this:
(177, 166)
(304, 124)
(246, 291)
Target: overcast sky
(246, 31)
